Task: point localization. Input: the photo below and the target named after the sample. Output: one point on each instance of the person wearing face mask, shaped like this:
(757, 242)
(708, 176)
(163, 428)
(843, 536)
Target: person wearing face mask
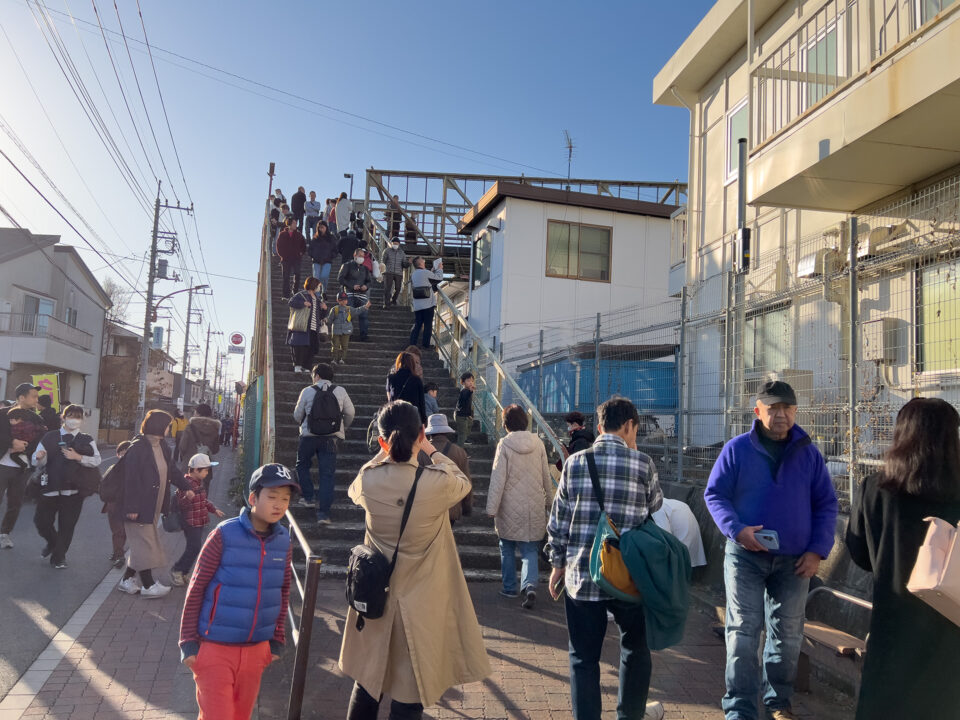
(61, 453)
(580, 436)
(394, 261)
(355, 280)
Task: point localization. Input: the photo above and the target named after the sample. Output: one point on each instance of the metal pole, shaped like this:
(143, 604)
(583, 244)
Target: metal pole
(186, 345)
(206, 355)
(540, 374)
(148, 313)
(596, 366)
(302, 657)
(854, 320)
(680, 419)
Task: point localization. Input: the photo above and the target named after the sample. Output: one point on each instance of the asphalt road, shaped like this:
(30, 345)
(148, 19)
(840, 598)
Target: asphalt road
(36, 600)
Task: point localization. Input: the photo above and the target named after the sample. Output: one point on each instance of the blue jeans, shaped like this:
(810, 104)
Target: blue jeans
(422, 320)
(508, 564)
(310, 225)
(362, 316)
(761, 589)
(587, 626)
(321, 271)
(325, 450)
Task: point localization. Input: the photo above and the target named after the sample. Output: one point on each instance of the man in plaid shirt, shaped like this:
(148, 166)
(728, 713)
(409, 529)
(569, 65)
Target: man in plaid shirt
(631, 493)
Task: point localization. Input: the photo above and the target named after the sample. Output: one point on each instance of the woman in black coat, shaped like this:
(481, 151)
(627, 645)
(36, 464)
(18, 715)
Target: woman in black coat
(403, 383)
(910, 666)
(148, 471)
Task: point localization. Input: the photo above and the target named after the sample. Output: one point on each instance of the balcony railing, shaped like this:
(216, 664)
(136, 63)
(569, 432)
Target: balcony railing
(836, 45)
(44, 326)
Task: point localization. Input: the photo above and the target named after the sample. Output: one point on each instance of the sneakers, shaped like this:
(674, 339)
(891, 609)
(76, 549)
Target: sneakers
(305, 503)
(6, 542)
(654, 711)
(157, 590)
(529, 598)
(176, 578)
(59, 564)
(130, 585)
(512, 594)
(323, 520)
(297, 369)
(117, 560)
(782, 714)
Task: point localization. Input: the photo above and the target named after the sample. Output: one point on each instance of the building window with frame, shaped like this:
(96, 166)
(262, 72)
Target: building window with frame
(36, 310)
(767, 341)
(821, 63)
(578, 252)
(737, 126)
(938, 317)
(926, 10)
(70, 317)
(481, 259)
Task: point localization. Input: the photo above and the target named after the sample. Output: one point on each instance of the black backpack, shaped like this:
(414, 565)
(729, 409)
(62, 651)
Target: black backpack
(325, 415)
(368, 572)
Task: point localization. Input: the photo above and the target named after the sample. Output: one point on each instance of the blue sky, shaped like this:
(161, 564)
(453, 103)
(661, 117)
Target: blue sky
(501, 78)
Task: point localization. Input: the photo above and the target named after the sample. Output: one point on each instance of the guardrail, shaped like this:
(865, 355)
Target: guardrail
(302, 634)
(44, 326)
(463, 351)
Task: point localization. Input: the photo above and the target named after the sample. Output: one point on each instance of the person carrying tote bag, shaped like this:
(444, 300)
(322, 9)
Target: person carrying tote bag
(306, 324)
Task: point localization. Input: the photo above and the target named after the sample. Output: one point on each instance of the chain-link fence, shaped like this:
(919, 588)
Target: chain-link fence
(803, 314)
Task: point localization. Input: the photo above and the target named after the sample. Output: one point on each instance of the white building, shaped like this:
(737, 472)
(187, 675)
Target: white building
(542, 256)
(52, 315)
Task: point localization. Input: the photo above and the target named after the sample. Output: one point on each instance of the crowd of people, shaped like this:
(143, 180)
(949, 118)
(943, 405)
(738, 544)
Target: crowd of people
(769, 494)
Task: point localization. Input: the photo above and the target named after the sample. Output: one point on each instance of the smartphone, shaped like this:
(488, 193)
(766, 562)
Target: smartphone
(61, 444)
(770, 539)
(558, 588)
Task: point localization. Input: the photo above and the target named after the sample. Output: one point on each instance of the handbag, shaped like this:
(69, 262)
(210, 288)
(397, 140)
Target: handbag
(607, 568)
(936, 573)
(368, 571)
(421, 292)
(88, 481)
(171, 520)
(299, 319)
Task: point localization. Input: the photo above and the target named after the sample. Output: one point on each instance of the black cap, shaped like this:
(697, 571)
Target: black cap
(25, 388)
(776, 391)
(272, 475)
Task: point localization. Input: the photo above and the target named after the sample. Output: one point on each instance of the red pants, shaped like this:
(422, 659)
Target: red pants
(228, 679)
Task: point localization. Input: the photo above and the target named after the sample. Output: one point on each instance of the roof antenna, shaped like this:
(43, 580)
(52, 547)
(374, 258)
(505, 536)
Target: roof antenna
(568, 142)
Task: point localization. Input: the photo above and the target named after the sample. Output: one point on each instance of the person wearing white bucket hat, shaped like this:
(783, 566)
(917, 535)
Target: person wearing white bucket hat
(440, 433)
(194, 514)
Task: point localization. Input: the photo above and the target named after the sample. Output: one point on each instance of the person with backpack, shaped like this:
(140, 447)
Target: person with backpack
(202, 435)
(427, 638)
(324, 412)
(340, 322)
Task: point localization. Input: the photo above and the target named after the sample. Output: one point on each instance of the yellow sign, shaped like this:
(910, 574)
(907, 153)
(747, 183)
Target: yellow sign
(49, 385)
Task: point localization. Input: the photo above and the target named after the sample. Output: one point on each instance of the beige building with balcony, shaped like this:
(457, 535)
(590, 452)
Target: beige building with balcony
(848, 108)
(52, 314)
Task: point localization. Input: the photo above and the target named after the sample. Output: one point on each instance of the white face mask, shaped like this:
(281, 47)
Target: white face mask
(358, 260)
(72, 424)
(395, 246)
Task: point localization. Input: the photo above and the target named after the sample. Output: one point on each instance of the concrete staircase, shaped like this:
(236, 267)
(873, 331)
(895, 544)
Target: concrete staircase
(364, 378)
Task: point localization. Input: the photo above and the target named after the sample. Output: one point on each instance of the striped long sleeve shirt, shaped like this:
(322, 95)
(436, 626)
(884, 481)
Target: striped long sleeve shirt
(631, 493)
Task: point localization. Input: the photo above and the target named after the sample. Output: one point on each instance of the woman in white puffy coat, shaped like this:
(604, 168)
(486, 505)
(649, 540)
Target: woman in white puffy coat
(519, 497)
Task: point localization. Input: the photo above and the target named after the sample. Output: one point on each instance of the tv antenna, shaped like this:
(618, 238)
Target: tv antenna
(568, 142)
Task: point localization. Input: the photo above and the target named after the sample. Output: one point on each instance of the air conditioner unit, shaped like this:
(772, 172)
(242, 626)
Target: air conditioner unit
(883, 239)
(823, 263)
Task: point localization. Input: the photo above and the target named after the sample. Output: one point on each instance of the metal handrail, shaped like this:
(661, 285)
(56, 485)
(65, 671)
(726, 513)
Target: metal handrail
(860, 602)
(504, 380)
(307, 589)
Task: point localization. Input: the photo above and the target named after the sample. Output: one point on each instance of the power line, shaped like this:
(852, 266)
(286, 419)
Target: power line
(335, 109)
(184, 269)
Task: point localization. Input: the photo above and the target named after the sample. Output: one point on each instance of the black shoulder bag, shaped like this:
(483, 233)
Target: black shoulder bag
(368, 572)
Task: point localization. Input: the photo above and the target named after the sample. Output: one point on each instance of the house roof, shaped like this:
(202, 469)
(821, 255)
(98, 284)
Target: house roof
(15, 242)
(522, 191)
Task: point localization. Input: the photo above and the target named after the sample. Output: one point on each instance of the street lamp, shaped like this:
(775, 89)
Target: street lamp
(350, 175)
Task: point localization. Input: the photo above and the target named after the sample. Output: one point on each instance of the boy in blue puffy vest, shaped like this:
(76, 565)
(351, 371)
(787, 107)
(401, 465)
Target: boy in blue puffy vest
(234, 615)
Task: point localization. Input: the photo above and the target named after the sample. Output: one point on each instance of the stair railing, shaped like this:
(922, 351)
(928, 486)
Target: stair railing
(463, 351)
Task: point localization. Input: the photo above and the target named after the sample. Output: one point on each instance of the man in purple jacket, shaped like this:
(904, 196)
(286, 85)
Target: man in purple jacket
(772, 497)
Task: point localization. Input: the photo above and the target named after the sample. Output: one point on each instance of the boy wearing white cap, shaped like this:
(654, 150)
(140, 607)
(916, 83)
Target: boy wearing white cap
(194, 513)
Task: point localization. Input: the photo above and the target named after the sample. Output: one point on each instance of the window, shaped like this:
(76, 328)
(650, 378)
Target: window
(70, 317)
(766, 341)
(737, 120)
(36, 310)
(926, 10)
(481, 260)
(580, 252)
(938, 326)
(820, 61)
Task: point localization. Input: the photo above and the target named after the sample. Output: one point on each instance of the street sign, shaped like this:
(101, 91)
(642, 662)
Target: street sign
(237, 339)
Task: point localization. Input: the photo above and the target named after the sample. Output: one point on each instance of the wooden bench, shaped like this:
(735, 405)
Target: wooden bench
(833, 649)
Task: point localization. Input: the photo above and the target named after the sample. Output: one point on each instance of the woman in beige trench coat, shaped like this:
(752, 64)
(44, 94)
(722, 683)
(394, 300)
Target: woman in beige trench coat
(428, 639)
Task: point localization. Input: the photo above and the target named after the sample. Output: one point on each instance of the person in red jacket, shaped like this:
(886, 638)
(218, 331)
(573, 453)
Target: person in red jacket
(194, 513)
(291, 245)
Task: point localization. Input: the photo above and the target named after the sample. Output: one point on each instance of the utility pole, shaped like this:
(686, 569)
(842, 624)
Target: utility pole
(206, 357)
(150, 311)
(186, 346)
(216, 378)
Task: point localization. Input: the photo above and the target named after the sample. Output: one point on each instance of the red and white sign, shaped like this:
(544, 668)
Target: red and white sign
(237, 342)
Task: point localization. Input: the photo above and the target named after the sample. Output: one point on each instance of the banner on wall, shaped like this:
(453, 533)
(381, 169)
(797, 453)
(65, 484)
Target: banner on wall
(49, 384)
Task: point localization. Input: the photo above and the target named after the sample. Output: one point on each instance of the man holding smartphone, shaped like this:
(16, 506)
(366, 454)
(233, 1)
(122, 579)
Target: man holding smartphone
(772, 497)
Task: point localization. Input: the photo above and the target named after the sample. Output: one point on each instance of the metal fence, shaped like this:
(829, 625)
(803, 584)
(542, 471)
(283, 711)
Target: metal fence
(856, 340)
